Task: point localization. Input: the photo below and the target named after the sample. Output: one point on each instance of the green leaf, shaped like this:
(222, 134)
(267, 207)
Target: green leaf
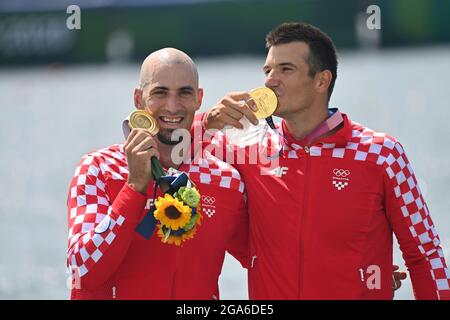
(166, 234)
(191, 223)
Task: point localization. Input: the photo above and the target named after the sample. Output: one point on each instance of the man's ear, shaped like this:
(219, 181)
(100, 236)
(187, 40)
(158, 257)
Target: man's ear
(199, 98)
(138, 98)
(323, 81)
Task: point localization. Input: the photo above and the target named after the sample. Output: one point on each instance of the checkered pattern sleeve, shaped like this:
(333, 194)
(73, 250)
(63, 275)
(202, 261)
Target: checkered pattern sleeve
(99, 231)
(213, 141)
(411, 221)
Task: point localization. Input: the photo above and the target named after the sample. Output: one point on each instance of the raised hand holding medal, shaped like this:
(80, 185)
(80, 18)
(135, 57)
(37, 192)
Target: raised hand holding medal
(241, 115)
(177, 214)
(140, 119)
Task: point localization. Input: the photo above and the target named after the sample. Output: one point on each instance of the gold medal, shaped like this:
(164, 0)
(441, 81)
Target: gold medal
(143, 120)
(266, 101)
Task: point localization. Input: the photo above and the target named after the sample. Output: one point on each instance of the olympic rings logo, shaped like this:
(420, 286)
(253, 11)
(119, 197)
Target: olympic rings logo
(208, 199)
(341, 172)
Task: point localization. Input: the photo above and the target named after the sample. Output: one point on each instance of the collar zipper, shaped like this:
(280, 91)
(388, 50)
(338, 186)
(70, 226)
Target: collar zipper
(302, 226)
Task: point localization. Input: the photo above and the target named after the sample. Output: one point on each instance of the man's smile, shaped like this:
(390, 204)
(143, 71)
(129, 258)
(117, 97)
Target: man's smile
(170, 122)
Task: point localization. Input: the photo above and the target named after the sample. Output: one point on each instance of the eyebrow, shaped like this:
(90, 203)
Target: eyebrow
(159, 88)
(283, 64)
(287, 64)
(186, 88)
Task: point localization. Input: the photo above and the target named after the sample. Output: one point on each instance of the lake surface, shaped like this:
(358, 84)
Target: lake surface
(51, 116)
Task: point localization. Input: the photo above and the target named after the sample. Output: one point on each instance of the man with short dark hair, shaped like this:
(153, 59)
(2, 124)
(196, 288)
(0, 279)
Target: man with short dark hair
(322, 216)
(322, 50)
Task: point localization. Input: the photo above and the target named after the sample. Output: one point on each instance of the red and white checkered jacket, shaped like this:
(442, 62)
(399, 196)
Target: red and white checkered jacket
(110, 259)
(322, 218)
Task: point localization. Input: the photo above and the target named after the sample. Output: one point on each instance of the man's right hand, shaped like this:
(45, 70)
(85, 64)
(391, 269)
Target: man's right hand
(230, 109)
(139, 147)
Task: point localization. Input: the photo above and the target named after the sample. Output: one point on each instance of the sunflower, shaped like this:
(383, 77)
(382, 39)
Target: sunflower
(171, 239)
(177, 240)
(171, 212)
(191, 232)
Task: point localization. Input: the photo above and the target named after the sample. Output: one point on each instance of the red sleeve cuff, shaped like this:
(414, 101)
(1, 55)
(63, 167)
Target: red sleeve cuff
(129, 203)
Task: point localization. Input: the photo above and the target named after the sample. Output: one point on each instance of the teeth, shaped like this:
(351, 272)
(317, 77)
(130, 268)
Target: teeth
(171, 120)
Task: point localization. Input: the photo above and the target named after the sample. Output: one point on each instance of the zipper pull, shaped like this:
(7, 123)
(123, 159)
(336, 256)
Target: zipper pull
(361, 271)
(253, 261)
(114, 292)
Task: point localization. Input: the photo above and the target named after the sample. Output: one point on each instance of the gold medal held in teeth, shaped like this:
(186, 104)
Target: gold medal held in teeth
(266, 101)
(143, 120)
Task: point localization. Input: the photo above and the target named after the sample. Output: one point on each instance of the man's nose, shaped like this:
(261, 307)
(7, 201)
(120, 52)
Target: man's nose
(271, 80)
(172, 104)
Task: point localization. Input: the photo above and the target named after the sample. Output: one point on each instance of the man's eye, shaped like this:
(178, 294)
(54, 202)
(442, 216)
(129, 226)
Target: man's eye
(186, 93)
(286, 69)
(266, 72)
(159, 93)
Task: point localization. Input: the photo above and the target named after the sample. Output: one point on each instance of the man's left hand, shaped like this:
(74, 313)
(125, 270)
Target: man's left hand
(398, 276)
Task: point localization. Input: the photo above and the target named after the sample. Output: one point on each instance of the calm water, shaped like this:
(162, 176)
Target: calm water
(51, 117)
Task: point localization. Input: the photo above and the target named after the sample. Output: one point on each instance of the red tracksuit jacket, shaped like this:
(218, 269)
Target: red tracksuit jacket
(322, 219)
(114, 261)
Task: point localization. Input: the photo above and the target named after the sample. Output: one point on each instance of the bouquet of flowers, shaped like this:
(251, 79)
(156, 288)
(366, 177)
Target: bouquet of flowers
(177, 213)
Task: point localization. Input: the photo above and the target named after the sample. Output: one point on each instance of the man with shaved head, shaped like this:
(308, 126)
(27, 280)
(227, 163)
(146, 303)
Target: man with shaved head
(155, 74)
(112, 189)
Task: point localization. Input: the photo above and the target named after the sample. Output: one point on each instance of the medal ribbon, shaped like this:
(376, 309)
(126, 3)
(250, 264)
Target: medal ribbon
(334, 120)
